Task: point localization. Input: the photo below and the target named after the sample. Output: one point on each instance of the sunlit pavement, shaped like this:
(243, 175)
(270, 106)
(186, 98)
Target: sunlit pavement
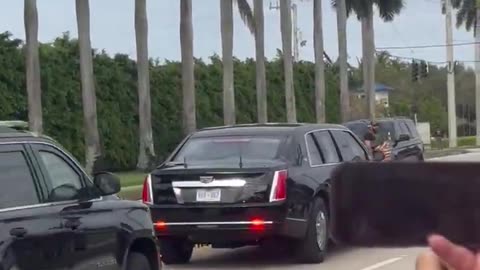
(338, 259)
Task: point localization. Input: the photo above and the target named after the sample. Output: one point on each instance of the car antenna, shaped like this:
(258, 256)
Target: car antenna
(185, 162)
(240, 164)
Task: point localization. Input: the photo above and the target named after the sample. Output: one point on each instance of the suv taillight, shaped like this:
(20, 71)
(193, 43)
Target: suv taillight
(147, 190)
(279, 186)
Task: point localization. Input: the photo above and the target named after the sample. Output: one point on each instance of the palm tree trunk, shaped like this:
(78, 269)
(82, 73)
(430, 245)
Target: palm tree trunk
(319, 63)
(368, 37)
(188, 79)
(342, 59)
(92, 137)
(146, 150)
(286, 29)
(260, 62)
(226, 15)
(477, 72)
(34, 91)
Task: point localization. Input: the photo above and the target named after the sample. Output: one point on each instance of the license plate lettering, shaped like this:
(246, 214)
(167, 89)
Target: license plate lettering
(208, 195)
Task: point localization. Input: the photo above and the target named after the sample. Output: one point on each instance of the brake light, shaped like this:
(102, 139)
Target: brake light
(160, 225)
(257, 224)
(279, 186)
(147, 190)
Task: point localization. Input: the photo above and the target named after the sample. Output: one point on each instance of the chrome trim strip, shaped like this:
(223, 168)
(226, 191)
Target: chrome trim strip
(297, 219)
(34, 206)
(214, 183)
(213, 223)
(178, 195)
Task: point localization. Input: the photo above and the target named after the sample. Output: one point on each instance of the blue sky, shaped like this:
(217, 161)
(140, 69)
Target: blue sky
(112, 28)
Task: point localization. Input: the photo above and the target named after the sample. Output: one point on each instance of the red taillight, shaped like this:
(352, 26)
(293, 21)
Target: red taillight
(279, 186)
(160, 225)
(147, 190)
(257, 224)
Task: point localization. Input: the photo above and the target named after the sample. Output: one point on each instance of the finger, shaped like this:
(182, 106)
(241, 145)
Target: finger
(459, 258)
(428, 261)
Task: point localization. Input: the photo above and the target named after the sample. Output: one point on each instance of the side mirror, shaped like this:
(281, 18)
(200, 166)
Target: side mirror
(403, 137)
(107, 183)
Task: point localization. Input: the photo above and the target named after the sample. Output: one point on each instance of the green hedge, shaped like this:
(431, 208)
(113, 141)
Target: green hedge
(117, 96)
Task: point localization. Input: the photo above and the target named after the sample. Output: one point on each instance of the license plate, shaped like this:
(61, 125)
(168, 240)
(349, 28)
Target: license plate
(209, 195)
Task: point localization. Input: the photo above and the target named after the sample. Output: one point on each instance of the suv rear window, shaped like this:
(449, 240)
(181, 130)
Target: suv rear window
(16, 182)
(223, 149)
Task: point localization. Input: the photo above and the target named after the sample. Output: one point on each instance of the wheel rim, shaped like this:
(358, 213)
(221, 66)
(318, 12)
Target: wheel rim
(321, 228)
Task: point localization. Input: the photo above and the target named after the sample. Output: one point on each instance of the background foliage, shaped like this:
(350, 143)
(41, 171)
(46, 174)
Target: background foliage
(116, 84)
(117, 97)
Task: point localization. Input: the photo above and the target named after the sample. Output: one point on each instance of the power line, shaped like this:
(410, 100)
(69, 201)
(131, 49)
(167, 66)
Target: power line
(431, 62)
(427, 46)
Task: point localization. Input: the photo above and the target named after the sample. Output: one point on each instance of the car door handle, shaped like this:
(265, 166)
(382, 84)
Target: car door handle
(72, 224)
(18, 232)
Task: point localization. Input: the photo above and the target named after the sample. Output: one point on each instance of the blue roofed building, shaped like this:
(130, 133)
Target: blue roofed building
(382, 93)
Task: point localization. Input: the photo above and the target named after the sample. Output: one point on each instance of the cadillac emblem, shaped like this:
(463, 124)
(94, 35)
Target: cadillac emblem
(206, 179)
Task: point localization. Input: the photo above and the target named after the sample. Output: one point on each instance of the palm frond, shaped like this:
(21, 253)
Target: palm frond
(466, 14)
(389, 8)
(246, 13)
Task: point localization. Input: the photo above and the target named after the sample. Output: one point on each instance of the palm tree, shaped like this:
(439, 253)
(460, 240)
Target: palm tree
(188, 79)
(261, 81)
(468, 14)
(342, 59)
(32, 64)
(364, 11)
(89, 99)
(226, 17)
(144, 104)
(319, 63)
(286, 29)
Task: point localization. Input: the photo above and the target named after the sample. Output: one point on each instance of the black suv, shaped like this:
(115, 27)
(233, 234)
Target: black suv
(406, 142)
(249, 184)
(52, 216)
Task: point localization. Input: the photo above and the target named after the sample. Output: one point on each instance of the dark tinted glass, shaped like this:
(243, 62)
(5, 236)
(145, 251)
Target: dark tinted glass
(386, 130)
(230, 149)
(360, 129)
(404, 128)
(412, 128)
(327, 146)
(313, 152)
(16, 182)
(349, 147)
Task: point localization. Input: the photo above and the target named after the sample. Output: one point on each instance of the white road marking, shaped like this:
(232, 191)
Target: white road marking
(383, 263)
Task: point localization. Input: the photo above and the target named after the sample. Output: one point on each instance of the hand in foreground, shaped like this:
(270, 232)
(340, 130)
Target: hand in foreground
(447, 256)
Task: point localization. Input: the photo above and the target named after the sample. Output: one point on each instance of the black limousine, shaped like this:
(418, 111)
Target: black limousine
(248, 184)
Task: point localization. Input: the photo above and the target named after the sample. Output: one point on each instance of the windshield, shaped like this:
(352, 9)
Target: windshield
(229, 149)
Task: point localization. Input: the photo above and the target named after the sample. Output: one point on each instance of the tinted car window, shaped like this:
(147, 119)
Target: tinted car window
(17, 186)
(313, 152)
(229, 149)
(327, 146)
(412, 128)
(403, 128)
(64, 182)
(349, 147)
(386, 130)
(360, 129)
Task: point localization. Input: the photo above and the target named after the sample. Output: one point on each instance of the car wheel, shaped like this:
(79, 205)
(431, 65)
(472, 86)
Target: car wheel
(175, 251)
(137, 261)
(313, 247)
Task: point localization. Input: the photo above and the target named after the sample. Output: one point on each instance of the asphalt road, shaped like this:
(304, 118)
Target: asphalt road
(338, 259)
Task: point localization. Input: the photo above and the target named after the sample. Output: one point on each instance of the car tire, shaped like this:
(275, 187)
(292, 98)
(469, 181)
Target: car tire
(313, 248)
(137, 261)
(175, 251)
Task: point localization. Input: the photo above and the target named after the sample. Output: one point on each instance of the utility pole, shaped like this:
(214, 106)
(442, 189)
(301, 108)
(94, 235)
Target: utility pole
(452, 114)
(296, 30)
